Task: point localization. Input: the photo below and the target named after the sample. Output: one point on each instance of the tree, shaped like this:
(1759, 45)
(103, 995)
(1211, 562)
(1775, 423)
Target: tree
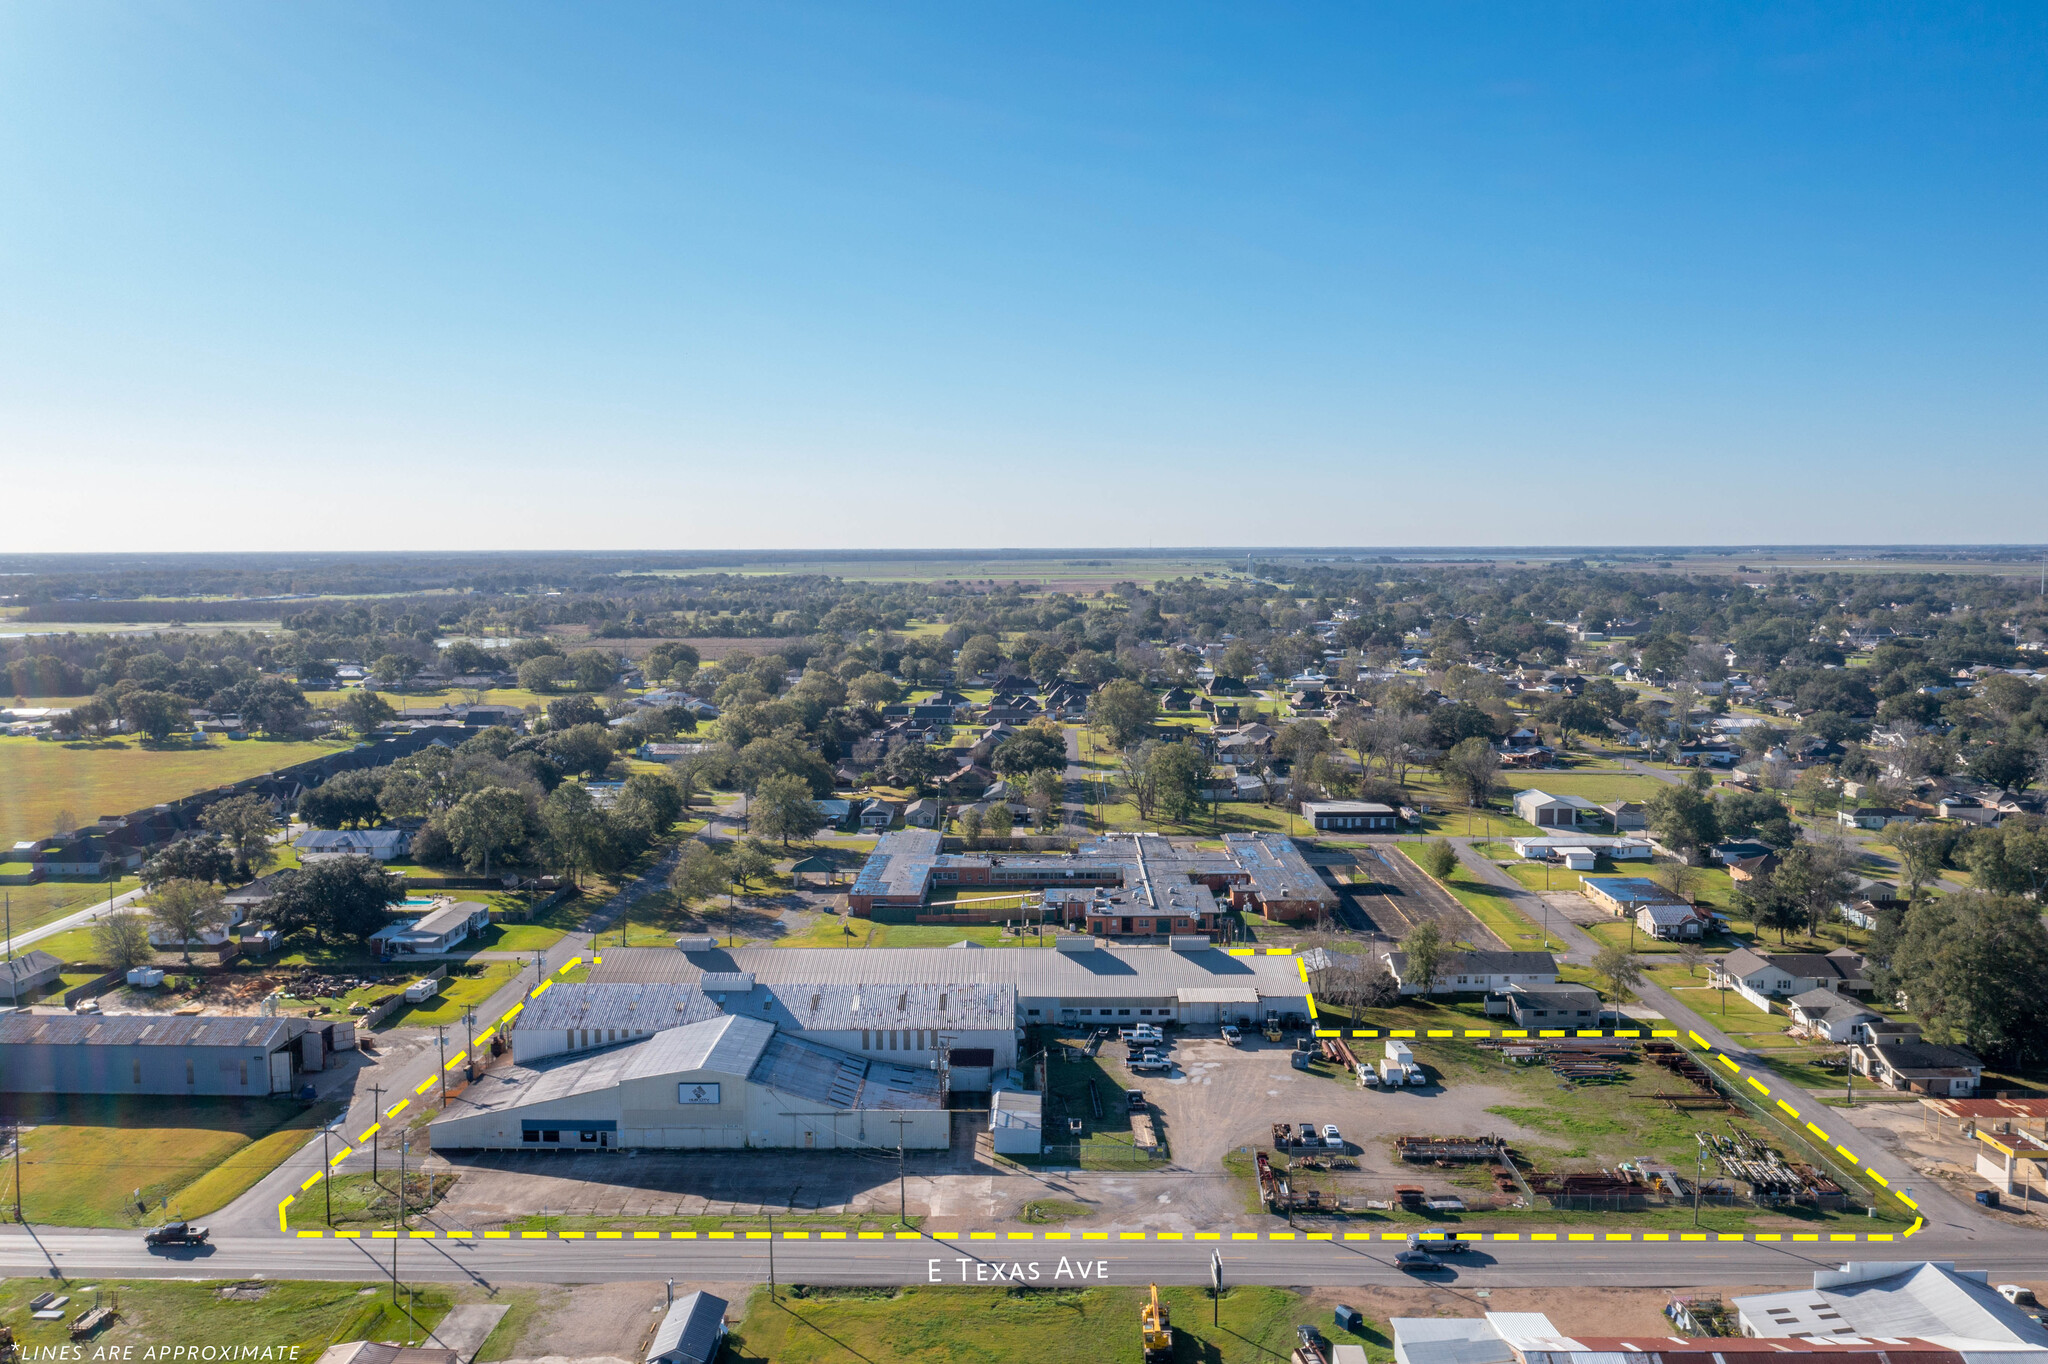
(1030, 749)
(1683, 819)
(93, 718)
(910, 766)
(699, 874)
(647, 806)
(1124, 710)
(2009, 859)
(1616, 965)
(345, 800)
(1424, 965)
(783, 808)
(543, 674)
(1573, 714)
(969, 821)
(593, 669)
(1448, 726)
(1974, 967)
(1046, 665)
(121, 940)
(1816, 877)
(1140, 780)
(1922, 850)
(195, 857)
(580, 836)
(998, 820)
(153, 714)
(486, 824)
(748, 861)
(1439, 859)
(395, 670)
(580, 749)
(873, 689)
(1692, 956)
(567, 712)
(1179, 775)
(1773, 907)
(1472, 766)
(978, 655)
(339, 899)
(362, 710)
(245, 824)
(2007, 764)
(1758, 814)
(1680, 878)
(1043, 793)
(187, 910)
(1813, 788)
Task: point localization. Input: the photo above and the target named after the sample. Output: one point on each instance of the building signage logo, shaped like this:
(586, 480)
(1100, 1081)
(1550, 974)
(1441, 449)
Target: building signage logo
(696, 1094)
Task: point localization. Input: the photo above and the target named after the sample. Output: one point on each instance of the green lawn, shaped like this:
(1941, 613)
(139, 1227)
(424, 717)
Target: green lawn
(1725, 1009)
(41, 780)
(538, 934)
(33, 906)
(1052, 1319)
(459, 993)
(88, 1153)
(1492, 906)
(305, 1317)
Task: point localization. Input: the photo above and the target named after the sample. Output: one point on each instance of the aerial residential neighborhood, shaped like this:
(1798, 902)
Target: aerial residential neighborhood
(801, 684)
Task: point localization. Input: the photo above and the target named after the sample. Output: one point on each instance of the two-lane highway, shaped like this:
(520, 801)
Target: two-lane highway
(992, 1258)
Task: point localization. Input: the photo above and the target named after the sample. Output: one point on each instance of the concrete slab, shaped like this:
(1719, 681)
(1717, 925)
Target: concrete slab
(466, 1327)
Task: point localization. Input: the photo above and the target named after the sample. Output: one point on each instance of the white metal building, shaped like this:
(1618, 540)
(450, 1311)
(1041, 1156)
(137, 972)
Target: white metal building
(726, 1082)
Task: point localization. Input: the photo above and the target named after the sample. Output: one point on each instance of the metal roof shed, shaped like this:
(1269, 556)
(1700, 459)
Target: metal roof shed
(692, 1332)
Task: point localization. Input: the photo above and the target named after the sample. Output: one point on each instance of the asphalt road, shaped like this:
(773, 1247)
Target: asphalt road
(923, 1259)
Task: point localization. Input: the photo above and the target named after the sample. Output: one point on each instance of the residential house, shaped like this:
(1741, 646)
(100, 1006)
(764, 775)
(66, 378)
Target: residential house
(27, 973)
(1737, 850)
(968, 783)
(1827, 1014)
(1464, 973)
(669, 753)
(1874, 817)
(877, 813)
(1782, 975)
(1967, 809)
(382, 844)
(1552, 1006)
(1746, 869)
(89, 856)
(1919, 1067)
(1177, 699)
(440, 930)
(1671, 922)
(1871, 911)
(924, 813)
(1546, 811)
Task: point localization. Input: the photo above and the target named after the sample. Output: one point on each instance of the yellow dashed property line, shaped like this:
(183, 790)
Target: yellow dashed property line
(424, 1085)
(1758, 1085)
(1816, 1131)
(374, 1129)
(280, 1210)
(460, 1057)
(484, 1036)
(509, 1015)
(314, 1235)
(1728, 1063)
(538, 990)
(564, 968)
(1846, 1155)
(312, 1179)
(344, 1154)
(1788, 1108)
(394, 1110)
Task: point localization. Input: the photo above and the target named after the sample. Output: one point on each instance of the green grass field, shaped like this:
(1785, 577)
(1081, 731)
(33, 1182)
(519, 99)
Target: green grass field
(305, 1317)
(42, 780)
(1052, 1319)
(88, 1154)
(1491, 906)
(460, 993)
(1725, 1009)
(33, 906)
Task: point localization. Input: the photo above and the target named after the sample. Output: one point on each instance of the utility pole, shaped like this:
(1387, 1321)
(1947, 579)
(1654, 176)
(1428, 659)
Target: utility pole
(771, 1257)
(441, 1037)
(1215, 1286)
(469, 1031)
(327, 1167)
(401, 1219)
(902, 1194)
(377, 1099)
(16, 1125)
(1698, 1180)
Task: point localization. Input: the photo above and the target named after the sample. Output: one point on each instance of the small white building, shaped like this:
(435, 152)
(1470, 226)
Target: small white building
(1671, 923)
(692, 1331)
(1827, 1014)
(441, 930)
(1017, 1123)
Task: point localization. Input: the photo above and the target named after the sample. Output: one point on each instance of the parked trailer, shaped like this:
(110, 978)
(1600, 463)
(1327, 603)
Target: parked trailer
(1399, 1053)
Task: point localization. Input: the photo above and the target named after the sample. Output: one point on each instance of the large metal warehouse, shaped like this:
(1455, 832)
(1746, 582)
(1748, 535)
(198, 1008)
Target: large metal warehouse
(152, 1054)
(726, 1082)
(972, 1024)
(1190, 981)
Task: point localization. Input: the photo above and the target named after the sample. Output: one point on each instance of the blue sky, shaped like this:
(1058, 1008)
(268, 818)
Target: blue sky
(358, 275)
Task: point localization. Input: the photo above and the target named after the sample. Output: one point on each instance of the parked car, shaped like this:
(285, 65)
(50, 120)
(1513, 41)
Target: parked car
(175, 1234)
(1416, 1261)
(1332, 1138)
(1231, 1035)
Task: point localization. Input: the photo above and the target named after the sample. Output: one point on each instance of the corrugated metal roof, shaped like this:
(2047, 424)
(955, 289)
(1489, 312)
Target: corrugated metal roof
(645, 1007)
(1110, 972)
(1927, 1300)
(156, 1030)
(690, 1332)
(728, 1045)
(791, 1065)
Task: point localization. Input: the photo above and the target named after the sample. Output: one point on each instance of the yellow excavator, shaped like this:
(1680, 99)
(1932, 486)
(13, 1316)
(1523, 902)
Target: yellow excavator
(1158, 1331)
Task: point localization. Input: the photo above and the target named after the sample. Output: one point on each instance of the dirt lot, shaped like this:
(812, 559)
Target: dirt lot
(608, 1320)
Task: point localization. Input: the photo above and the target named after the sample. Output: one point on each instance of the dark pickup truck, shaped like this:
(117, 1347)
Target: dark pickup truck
(175, 1234)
